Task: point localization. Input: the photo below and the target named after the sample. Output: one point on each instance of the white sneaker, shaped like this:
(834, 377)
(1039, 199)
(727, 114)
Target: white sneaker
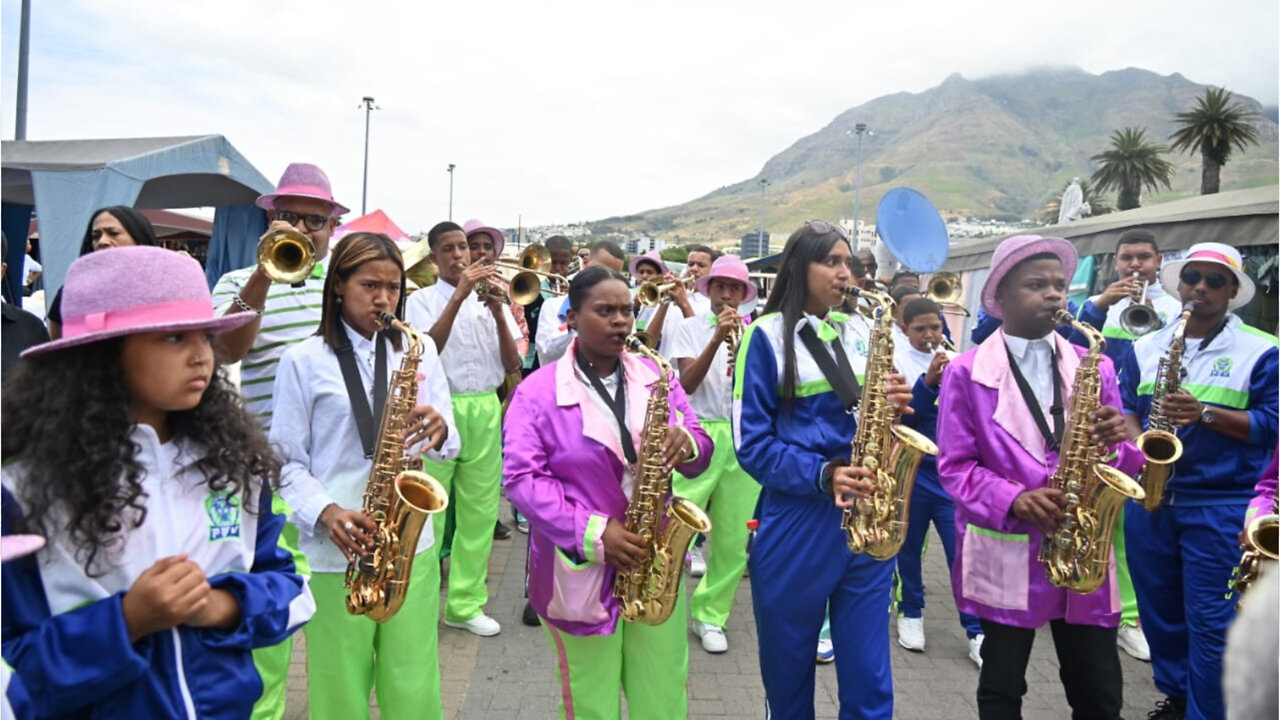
(1132, 640)
(826, 651)
(713, 640)
(975, 649)
(911, 633)
(481, 625)
(694, 562)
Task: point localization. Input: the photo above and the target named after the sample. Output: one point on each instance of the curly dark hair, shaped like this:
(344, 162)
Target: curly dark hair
(66, 417)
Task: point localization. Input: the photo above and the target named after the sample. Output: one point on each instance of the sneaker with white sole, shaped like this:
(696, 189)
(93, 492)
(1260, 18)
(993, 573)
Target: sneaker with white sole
(713, 640)
(975, 649)
(481, 625)
(1133, 641)
(826, 651)
(911, 633)
(694, 562)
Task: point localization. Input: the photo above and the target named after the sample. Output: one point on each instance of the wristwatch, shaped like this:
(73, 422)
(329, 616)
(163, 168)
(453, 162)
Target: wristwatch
(1206, 415)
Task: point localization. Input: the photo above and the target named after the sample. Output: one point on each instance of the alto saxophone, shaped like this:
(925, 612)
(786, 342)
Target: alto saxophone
(1077, 555)
(398, 497)
(1262, 538)
(1160, 443)
(877, 524)
(648, 594)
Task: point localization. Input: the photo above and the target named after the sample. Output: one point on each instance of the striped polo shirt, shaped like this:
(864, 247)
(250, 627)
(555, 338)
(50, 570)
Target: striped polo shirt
(292, 315)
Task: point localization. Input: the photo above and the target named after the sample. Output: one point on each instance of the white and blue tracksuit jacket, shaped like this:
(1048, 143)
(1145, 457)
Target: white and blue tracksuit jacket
(64, 629)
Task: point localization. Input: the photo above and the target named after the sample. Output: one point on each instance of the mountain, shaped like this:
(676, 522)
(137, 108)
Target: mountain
(995, 147)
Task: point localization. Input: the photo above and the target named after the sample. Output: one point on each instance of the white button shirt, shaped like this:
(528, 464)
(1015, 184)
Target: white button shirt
(471, 357)
(553, 335)
(1034, 358)
(713, 399)
(610, 384)
(316, 434)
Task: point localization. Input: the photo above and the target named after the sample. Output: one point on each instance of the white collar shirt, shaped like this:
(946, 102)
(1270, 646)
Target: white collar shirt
(611, 385)
(471, 356)
(713, 399)
(318, 439)
(553, 335)
(1034, 359)
(913, 363)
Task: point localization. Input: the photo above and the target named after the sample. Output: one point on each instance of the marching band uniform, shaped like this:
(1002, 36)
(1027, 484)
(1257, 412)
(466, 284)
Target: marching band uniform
(1184, 553)
(565, 469)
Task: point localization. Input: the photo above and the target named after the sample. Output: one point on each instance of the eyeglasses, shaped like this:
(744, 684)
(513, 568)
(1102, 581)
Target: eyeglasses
(313, 223)
(1192, 278)
(822, 227)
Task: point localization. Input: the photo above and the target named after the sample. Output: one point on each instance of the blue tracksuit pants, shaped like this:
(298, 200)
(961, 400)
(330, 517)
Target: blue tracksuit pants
(1182, 559)
(800, 562)
(928, 504)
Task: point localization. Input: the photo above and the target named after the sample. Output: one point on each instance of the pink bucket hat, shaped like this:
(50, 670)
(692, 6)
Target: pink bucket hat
(303, 180)
(728, 267)
(471, 227)
(131, 290)
(652, 256)
(1210, 252)
(1013, 251)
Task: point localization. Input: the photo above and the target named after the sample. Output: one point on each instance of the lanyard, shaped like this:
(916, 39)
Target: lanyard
(355, 388)
(843, 381)
(1052, 440)
(617, 403)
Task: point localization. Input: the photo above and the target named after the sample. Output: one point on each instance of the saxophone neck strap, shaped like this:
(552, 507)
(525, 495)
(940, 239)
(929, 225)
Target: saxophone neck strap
(838, 372)
(1052, 440)
(355, 387)
(617, 403)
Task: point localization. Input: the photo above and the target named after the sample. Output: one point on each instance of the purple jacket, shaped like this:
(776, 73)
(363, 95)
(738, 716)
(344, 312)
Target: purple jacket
(990, 451)
(1264, 493)
(562, 466)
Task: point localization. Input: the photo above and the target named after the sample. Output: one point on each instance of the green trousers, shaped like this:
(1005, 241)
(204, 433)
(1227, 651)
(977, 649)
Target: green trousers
(473, 480)
(1128, 599)
(731, 494)
(650, 664)
(349, 655)
(272, 662)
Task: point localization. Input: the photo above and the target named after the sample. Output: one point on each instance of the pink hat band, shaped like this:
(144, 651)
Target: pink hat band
(177, 311)
(1213, 255)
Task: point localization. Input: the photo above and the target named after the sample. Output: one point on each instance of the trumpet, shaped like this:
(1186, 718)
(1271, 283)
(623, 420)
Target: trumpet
(945, 290)
(651, 293)
(1138, 319)
(942, 344)
(286, 255)
(533, 277)
(486, 288)
(524, 286)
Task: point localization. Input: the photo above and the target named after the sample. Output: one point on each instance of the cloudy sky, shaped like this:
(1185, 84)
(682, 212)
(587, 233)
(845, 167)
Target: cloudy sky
(565, 111)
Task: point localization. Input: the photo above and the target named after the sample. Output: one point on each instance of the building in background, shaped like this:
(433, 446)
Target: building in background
(754, 245)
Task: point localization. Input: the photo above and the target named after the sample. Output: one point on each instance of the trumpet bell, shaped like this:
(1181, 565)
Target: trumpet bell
(535, 257)
(1140, 320)
(523, 286)
(944, 288)
(286, 255)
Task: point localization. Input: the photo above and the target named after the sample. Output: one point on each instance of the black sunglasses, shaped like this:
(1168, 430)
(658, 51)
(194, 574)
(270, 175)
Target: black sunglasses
(312, 222)
(1191, 278)
(822, 227)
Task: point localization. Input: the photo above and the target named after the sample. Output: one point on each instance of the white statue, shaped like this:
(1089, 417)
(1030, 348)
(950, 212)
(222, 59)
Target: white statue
(1072, 206)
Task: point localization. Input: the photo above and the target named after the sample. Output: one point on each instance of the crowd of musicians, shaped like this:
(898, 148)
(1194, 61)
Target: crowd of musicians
(166, 533)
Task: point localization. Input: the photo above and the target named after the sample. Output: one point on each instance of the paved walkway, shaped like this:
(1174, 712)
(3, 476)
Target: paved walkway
(510, 676)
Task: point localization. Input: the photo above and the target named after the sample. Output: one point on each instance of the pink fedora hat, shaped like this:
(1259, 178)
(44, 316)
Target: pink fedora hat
(131, 290)
(471, 227)
(303, 180)
(652, 256)
(1013, 251)
(728, 267)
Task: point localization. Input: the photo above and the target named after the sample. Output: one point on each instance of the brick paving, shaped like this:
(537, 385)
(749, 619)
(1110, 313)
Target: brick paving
(510, 676)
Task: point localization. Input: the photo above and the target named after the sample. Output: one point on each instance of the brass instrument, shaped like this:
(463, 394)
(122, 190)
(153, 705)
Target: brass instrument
(651, 293)
(398, 498)
(1160, 443)
(1138, 319)
(648, 594)
(419, 270)
(1077, 555)
(486, 288)
(945, 290)
(286, 255)
(523, 286)
(943, 344)
(877, 524)
(731, 343)
(645, 339)
(1262, 538)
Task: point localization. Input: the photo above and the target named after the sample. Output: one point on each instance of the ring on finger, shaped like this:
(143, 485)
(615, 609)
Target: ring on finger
(348, 526)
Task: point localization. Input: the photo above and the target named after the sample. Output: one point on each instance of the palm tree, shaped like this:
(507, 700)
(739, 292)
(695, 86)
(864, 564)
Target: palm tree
(1097, 204)
(1212, 128)
(1130, 164)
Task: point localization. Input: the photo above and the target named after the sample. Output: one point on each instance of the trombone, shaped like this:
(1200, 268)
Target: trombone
(286, 255)
(945, 290)
(536, 261)
(651, 293)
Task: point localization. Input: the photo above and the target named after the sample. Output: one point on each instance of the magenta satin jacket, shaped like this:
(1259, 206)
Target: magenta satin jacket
(990, 451)
(1264, 493)
(562, 467)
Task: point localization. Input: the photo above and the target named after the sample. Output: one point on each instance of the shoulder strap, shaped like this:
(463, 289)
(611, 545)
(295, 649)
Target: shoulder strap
(842, 379)
(355, 388)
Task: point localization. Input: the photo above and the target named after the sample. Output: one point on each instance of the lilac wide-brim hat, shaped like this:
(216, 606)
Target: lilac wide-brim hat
(1210, 252)
(653, 256)
(16, 546)
(729, 267)
(128, 290)
(1013, 251)
(303, 180)
(471, 227)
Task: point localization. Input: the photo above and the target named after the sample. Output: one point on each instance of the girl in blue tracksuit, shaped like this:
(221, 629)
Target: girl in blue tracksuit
(133, 457)
(793, 433)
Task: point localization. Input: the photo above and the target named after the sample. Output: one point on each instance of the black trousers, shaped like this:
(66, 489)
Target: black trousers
(1090, 670)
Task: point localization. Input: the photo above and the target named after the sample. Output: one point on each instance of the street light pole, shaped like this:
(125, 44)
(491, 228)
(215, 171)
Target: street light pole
(450, 169)
(764, 182)
(24, 51)
(860, 129)
(366, 102)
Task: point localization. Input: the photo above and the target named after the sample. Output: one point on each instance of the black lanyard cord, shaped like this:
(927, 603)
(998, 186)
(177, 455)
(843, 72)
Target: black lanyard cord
(355, 388)
(1052, 440)
(617, 403)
